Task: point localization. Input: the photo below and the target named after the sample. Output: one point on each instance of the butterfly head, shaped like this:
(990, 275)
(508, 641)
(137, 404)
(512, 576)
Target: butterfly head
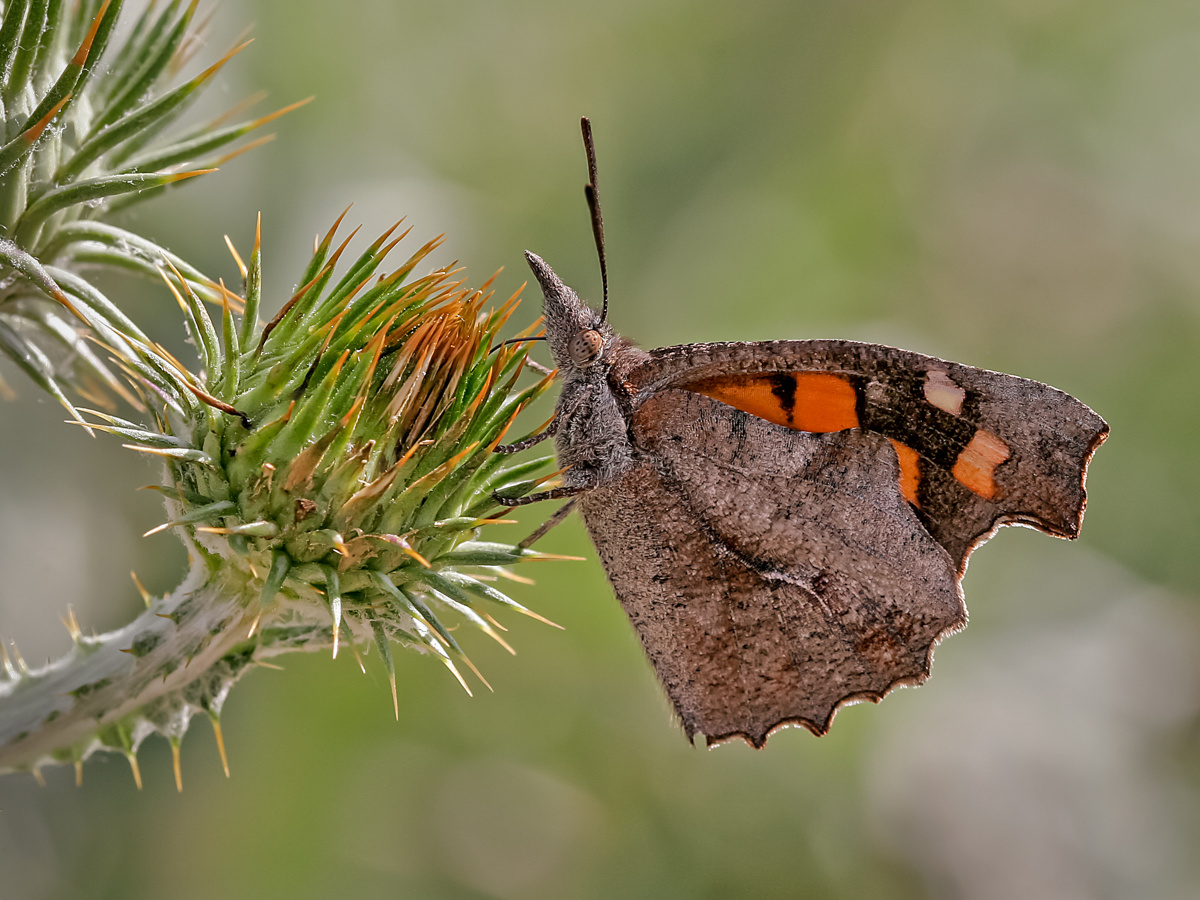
(577, 334)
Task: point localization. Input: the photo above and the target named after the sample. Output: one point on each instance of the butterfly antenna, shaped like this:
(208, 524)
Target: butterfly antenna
(516, 341)
(593, 202)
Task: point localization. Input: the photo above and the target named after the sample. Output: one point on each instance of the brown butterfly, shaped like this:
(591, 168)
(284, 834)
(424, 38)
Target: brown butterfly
(786, 523)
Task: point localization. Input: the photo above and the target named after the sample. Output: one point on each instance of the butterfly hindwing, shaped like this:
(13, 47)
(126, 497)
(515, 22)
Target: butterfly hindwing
(976, 449)
(772, 574)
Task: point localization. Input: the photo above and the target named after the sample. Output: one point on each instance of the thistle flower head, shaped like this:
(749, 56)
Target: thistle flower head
(342, 453)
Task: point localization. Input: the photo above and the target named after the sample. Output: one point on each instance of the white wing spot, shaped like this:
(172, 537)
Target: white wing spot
(942, 392)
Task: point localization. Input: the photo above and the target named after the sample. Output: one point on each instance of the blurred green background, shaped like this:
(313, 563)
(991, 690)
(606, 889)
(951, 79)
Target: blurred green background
(1012, 184)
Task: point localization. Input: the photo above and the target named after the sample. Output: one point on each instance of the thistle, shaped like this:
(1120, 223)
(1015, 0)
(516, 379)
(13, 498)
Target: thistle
(330, 471)
(86, 133)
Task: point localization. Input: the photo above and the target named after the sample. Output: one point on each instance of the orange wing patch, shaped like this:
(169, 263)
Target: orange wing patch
(976, 466)
(824, 401)
(804, 401)
(910, 471)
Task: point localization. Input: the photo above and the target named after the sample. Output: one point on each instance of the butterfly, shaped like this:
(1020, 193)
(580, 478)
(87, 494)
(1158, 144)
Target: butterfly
(787, 523)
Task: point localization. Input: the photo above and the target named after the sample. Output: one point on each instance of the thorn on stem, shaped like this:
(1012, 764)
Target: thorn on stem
(18, 658)
(216, 725)
(146, 598)
(72, 624)
(137, 772)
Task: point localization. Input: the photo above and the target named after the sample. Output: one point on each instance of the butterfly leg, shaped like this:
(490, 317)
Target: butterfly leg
(547, 432)
(560, 514)
(555, 494)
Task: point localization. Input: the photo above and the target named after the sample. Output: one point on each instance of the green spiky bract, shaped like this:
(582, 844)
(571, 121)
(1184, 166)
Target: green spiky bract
(330, 471)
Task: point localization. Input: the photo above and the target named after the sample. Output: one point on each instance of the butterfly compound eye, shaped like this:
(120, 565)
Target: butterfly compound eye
(586, 347)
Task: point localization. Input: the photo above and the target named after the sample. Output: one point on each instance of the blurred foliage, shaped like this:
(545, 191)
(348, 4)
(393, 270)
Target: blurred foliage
(1011, 184)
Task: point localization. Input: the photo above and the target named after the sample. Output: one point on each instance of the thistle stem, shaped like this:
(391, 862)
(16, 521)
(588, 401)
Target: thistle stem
(111, 691)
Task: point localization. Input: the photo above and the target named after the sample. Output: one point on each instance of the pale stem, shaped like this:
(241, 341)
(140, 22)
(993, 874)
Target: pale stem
(53, 714)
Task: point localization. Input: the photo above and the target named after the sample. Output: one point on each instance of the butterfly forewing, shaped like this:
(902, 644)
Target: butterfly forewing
(975, 448)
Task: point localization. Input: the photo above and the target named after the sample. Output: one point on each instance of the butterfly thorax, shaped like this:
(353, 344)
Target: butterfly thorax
(592, 438)
(591, 419)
